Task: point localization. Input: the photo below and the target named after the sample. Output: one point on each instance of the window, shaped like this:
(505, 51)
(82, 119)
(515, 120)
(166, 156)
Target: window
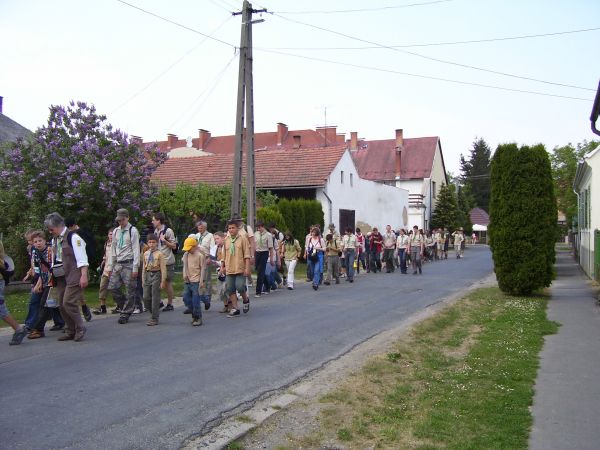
(342, 177)
(351, 179)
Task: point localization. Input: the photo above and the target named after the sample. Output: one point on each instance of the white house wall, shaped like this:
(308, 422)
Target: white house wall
(589, 180)
(374, 203)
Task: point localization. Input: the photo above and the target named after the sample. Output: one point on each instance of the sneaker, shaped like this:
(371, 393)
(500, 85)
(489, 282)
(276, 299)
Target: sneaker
(161, 305)
(137, 311)
(18, 336)
(57, 327)
(116, 310)
(87, 314)
(206, 306)
(256, 295)
(315, 287)
(196, 322)
(233, 313)
(327, 283)
(99, 311)
(168, 308)
(187, 311)
(224, 310)
(152, 322)
(290, 288)
(123, 320)
(246, 307)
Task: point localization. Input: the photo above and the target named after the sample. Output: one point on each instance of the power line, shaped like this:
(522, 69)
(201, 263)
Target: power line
(467, 66)
(467, 83)
(435, 44)
(168, 69)
(209, 90)
(381, 8)
(177, 24)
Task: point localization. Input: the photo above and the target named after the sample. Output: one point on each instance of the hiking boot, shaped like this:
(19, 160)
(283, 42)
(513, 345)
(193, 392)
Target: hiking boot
(18, 336)
(168, 308)
(233, 313)
(87, 314)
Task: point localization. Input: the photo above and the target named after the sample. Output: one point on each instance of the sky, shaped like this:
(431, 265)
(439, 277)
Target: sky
(365, 66)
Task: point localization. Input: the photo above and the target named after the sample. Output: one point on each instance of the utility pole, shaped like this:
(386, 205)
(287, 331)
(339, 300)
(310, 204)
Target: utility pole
(245, 98)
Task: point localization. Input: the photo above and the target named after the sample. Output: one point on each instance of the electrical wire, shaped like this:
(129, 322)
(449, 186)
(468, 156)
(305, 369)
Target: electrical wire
(397, 72)
(177, 24)
(435, 44)
(381, 8)
(168, 69)
(467, 66)
(208, 91)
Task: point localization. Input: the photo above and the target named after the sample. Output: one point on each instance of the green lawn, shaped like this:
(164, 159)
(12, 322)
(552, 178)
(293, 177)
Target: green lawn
(462, 379)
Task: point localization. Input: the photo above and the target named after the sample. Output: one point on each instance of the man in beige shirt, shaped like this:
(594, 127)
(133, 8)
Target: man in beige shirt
(235, 257)
(264, 255)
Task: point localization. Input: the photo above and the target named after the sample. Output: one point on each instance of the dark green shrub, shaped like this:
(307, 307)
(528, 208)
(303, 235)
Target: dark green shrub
(522, 218)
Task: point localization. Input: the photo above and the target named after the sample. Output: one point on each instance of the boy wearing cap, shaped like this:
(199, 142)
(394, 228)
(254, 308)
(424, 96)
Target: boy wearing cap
(155, 277)
(194, 266)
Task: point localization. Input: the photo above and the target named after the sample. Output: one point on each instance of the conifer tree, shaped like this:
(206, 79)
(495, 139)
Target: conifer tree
(475, 173)
(522, 218)
(446, 209)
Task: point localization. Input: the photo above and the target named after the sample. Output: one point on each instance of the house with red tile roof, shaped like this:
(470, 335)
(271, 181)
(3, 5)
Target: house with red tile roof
(415, 164)
(327, 174)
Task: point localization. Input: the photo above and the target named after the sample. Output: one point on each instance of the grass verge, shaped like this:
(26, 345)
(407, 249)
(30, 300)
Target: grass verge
(462, 379)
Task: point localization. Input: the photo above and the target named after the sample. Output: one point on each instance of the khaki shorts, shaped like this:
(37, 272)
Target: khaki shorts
(170, 272)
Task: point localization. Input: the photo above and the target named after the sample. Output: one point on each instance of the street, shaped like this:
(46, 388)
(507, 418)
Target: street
(132, 386)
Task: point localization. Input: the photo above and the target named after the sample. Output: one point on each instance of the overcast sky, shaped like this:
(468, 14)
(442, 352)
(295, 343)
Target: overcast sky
(152, 77)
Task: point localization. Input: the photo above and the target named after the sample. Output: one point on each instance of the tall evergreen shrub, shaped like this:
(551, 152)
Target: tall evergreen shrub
(522, 218)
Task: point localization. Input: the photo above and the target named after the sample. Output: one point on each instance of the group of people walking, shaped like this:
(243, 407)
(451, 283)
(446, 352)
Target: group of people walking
(136, 267)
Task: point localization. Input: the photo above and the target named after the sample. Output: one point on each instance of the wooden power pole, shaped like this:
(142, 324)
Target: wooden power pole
(245, 99)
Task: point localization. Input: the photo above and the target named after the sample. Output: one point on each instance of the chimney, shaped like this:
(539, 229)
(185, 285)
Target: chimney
(282, 131)
(296, 141)
(1, 104)
(399, 138)
(137, 140)
(203, 137)
(353, 141)
(329, 134)
(171, 141)
(399, 147)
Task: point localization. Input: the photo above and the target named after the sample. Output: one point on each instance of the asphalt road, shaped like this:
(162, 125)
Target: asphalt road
(138, 387)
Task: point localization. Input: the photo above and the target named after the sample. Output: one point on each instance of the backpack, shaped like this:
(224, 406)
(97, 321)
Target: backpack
(9, 269)
(176, 249)
(90, 243)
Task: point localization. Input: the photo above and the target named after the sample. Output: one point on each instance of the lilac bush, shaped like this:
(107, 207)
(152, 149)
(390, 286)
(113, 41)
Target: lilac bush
(79, 165)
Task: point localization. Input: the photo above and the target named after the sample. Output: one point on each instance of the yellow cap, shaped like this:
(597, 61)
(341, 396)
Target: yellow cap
(189, 244)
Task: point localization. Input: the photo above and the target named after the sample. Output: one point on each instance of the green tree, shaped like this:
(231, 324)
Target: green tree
(271, 214)
(475, 173)
(446, 213)
(464, 207)
(522, 231)
(564, 165)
